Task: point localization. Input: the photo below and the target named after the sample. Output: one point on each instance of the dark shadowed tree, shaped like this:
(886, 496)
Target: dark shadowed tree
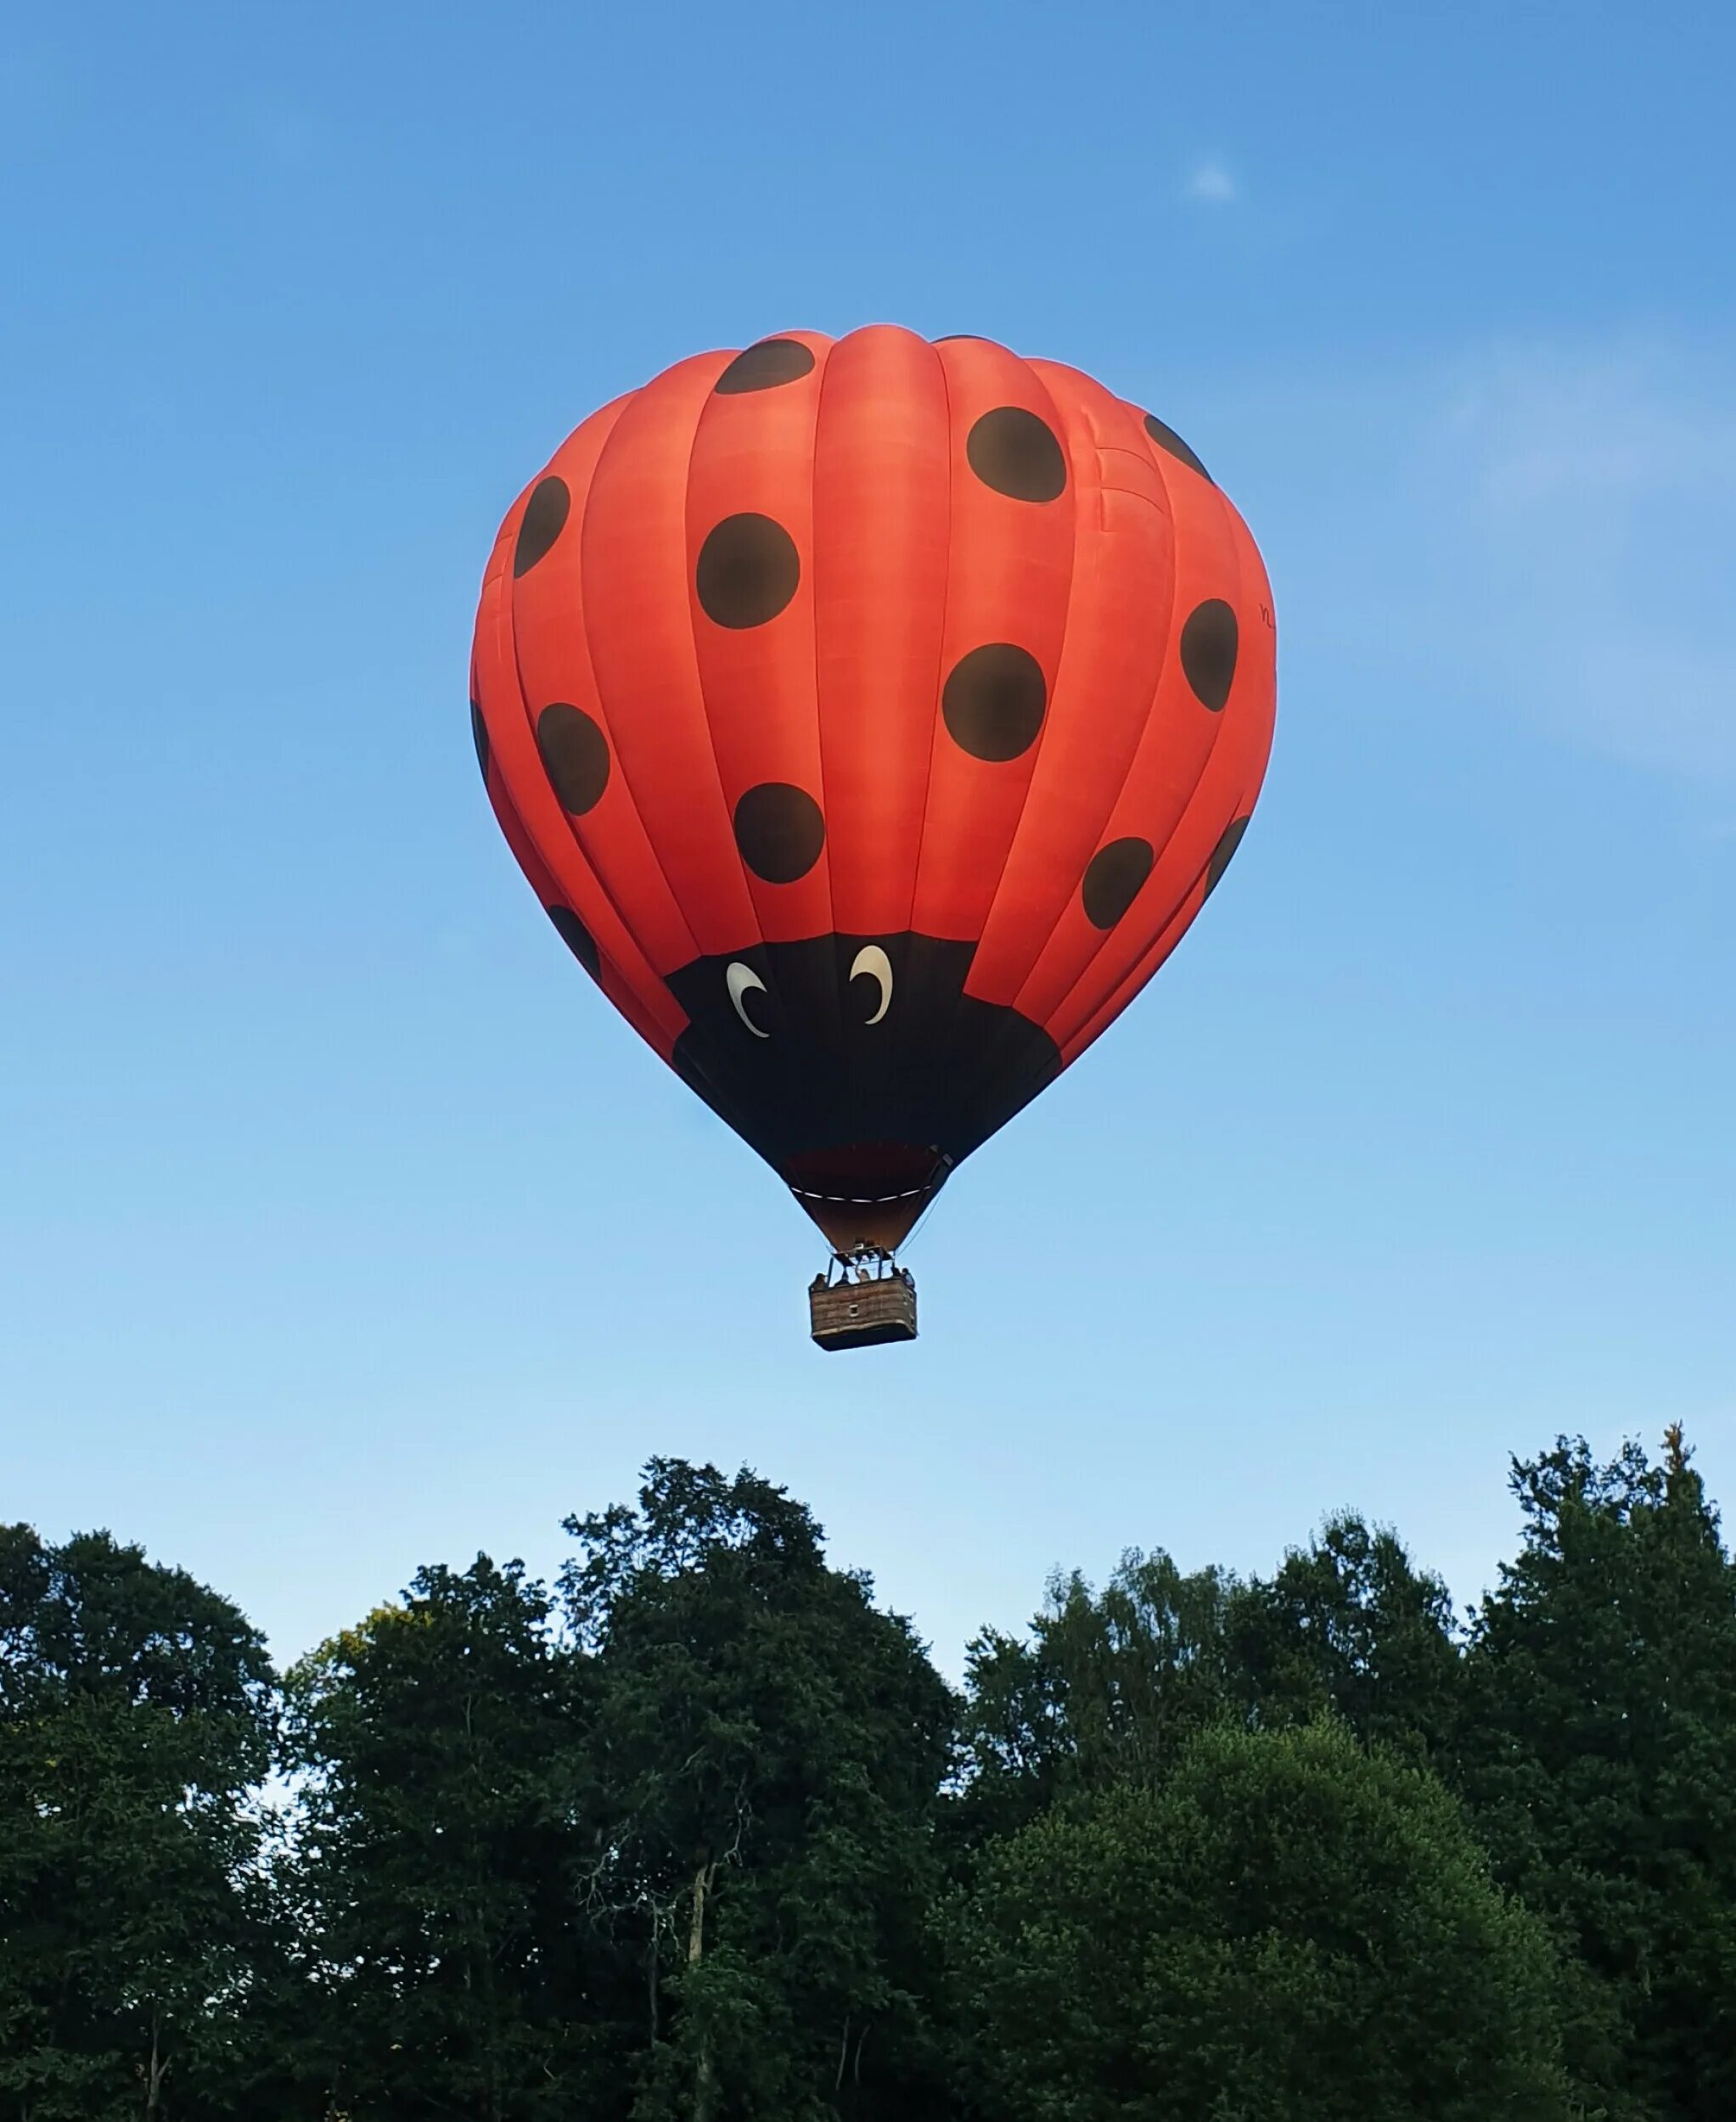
(1104, 1687)
(136, 1713)
(1288, 1929)
(1348, 1624)
(1598, 1748)
(448, 1969)
(767, 1747)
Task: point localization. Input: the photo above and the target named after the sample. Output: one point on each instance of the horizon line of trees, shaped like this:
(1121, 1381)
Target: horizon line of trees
(700, 1834)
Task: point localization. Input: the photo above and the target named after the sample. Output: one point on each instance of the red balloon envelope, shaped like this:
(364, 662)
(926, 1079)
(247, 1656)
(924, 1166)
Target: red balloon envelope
(872, 717)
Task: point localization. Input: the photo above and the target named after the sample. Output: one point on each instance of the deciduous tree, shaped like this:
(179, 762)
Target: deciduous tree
(1288, 1929)
(769, 1747)
(447, 1967)
(136, 1717)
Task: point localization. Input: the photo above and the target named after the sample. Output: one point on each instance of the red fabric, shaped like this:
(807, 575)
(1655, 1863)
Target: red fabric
(909, 560)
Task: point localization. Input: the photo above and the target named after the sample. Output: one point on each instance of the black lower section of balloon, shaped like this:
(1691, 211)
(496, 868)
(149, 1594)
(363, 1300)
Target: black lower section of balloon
(841, 1104)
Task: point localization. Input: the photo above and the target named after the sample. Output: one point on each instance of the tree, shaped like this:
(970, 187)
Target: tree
(1598, 1748)
(136, 1717)
(1287, 1929)
(767, 1747)
(1104, 1687)
(1350, 1624)
(446, 1972)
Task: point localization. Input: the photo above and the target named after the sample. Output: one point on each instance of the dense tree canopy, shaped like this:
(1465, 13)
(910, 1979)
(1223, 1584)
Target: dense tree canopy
(701, 1834)
(1599, 1746)
(136, 1716)
(1288, 1925)
(433, 1873)
(766, 1754)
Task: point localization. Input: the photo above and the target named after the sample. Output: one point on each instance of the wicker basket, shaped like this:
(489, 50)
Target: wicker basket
(861, 1315)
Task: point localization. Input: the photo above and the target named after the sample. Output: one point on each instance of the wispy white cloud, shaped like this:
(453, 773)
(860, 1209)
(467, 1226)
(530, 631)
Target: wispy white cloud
(1211, 183)
(1623, 424)
(1594, 490)
(1541, 533)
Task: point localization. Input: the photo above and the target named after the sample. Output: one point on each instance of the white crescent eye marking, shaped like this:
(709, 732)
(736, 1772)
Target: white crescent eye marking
(873, 961)
(739, 979)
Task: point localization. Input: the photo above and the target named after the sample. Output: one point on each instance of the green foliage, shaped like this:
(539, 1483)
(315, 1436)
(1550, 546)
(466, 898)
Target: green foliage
(704, 1838)
(1106, 1687)
(136, 1713)
(1599, 1746)
(1349, 1625)
(1288, 1929)
(432, 1874)
(768, 1750)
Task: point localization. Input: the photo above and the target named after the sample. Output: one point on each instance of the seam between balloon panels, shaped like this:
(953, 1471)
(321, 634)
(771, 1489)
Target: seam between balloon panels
(944, 1048)
(596, 691)
(935, 726)
(1060, 659)
(1153, 958)
(814, 600)
(1171, 654)
(616, 763)
(1120, 786)
(994, 1074)
(597, 687)
(693, 629)
(506, 622)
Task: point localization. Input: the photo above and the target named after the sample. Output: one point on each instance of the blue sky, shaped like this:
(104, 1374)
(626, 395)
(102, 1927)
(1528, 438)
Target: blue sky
(342, 1228)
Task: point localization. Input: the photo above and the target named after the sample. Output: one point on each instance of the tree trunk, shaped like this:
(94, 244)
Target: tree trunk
(705, 2068)
(156, 2072)
(651, 1972)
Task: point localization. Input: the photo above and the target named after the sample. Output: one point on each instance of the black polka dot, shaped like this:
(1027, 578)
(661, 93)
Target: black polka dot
(1113, 880)
(780, 831)
(764, 367)
(748, 571)
(574, 756)
(993, 701)
(543, 520)
(1166, 439)
(1013, 451)
(1226, 846)
(577, 938)
(1209, 652)
(478, 737)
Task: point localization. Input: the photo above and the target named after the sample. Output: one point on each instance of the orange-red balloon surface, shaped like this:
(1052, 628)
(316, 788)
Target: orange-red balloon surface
(872, 717)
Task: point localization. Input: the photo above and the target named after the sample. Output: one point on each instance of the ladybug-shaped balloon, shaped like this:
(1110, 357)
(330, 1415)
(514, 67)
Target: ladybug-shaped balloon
(872, 717)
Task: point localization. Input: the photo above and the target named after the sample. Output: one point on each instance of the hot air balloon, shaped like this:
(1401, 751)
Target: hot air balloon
(872, 716)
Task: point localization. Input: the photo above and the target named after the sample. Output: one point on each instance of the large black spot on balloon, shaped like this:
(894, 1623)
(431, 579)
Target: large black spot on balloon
(780, 831)
(764, 367)
(1013, 451)
(577, 938)
(575, 755)
(993, 701)
(1166, 439)
(1113, 880)
(748, 571)
(1209, 652)
(478, 737)
(543, 520)
(1226, 846)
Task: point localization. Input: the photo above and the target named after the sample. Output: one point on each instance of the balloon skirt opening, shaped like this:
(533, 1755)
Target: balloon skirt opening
(872, 1194)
